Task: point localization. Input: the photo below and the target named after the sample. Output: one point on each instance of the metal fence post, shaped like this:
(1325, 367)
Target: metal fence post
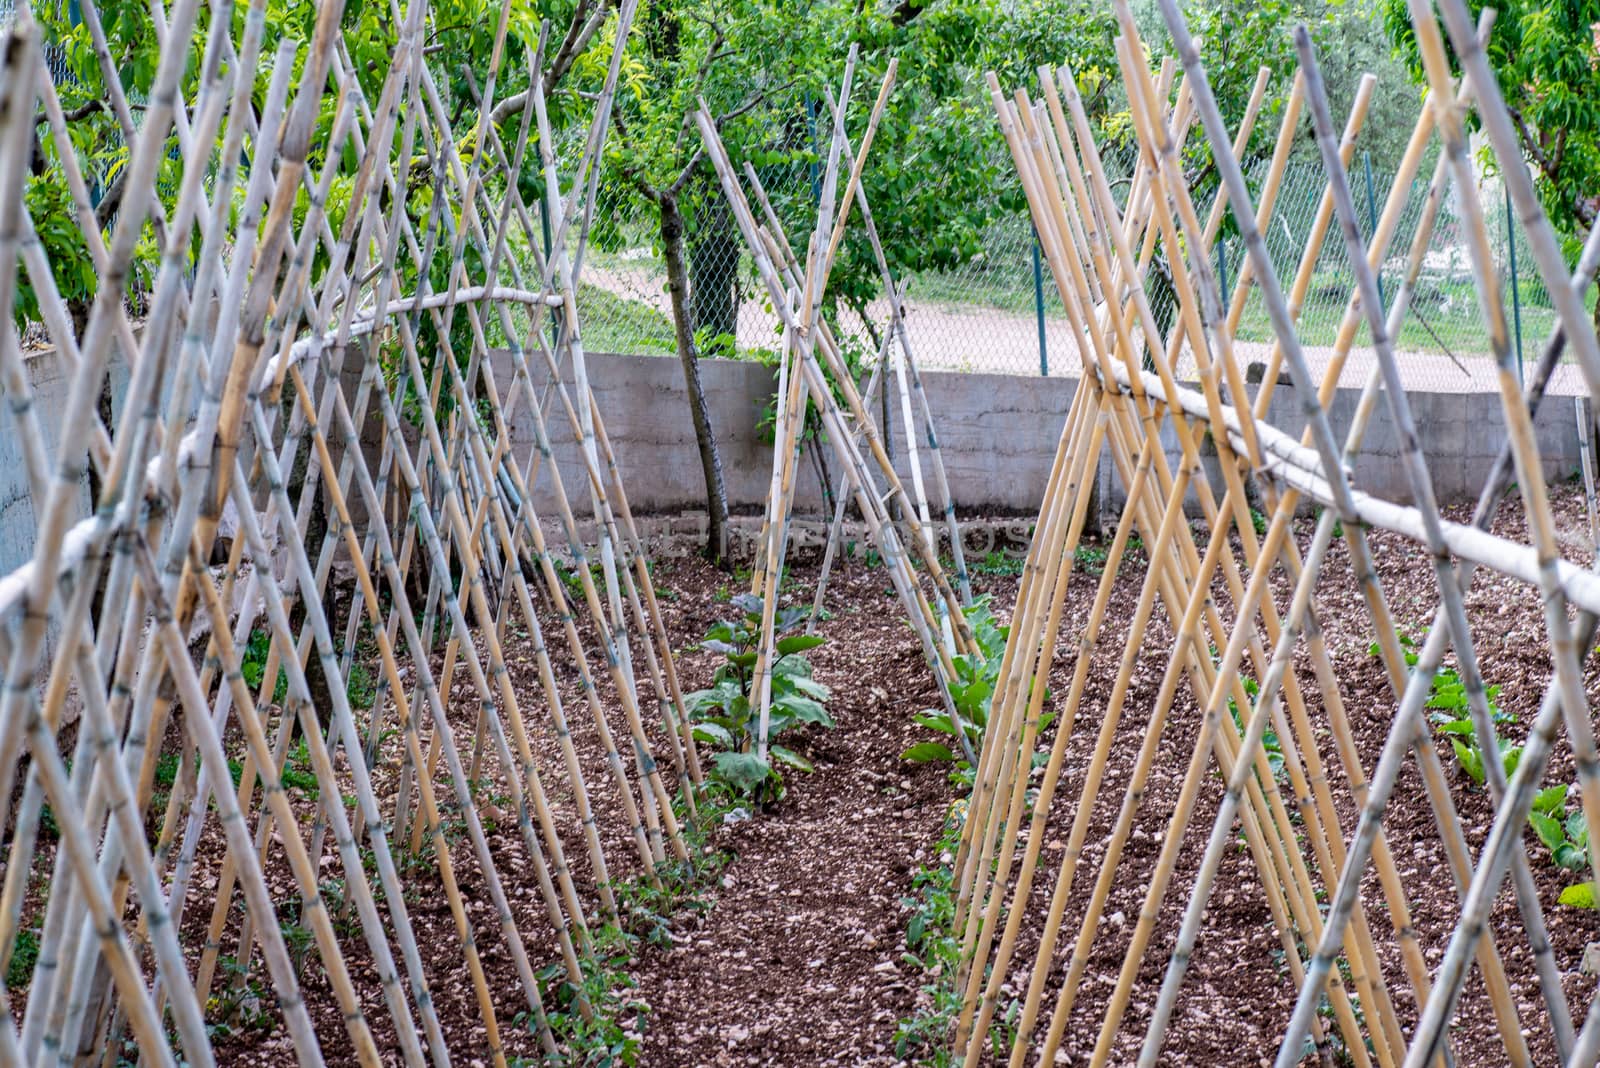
(555, 320)
(1516, 297)
(1038, 306)
(1372, 216)
(1222, 268)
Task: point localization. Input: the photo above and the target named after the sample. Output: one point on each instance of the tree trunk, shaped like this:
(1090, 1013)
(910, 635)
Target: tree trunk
(672, 245)
(714, 270)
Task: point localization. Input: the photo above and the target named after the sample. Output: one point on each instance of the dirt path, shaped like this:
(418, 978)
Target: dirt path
(797, 961)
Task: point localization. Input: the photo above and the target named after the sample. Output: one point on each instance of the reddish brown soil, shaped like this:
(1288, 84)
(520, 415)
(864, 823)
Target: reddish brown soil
(797, 960)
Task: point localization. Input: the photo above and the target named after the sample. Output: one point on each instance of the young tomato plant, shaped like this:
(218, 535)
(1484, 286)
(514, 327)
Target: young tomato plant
(726, 715)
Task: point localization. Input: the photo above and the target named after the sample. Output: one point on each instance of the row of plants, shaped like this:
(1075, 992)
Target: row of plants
(725, 718)
(1557, 820)
(611, 1034)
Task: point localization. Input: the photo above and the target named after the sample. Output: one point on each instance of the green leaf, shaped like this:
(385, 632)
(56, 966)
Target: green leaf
(1548, 830)
(927, 753)
(803, 709)
(742, 771)
(795, 667)
(1551, 800)
(1470, 759)
(1569, 856)
(1578, 828)
(790, 757)
(799, 643)
(1579, 896)
(713, 734)
(806, 685)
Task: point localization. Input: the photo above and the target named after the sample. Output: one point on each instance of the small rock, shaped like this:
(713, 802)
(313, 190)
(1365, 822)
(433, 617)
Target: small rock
(1590, 964)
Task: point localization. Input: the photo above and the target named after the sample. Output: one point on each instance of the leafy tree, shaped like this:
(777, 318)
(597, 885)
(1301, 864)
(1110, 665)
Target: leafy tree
(1545, 56)
(936, 179)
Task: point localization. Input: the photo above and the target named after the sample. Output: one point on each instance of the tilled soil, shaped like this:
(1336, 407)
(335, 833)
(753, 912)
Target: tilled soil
(798, 958)
(773, 977)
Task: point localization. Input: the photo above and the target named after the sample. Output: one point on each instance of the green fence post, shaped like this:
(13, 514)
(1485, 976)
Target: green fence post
(1222, 268)
(555, 320)
(1038, 305)
(1516, 297)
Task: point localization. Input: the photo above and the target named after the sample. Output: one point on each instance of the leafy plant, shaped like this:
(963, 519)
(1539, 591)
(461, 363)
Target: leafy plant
(1270, 743)
(1450, 714)
(972, 690)
(599, 1038)
(24, 955)
(995, 562)
(1091, 558)
(361, 688)
(934, 948)
(725, 715)
(297, 773)
(1566, 835)
(253, 665)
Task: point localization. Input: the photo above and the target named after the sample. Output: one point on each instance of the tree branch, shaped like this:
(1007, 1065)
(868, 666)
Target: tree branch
(580, 32)
(83, 111)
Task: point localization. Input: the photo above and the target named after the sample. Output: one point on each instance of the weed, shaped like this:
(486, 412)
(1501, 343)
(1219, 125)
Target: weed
(240, 1004)
(1091, 559)
(572, 579)
(297, 774)
(254, 664)
(361, 687)
(934, 948)
(869, 559)
(297, 939)
(996, 562)
(24, 955)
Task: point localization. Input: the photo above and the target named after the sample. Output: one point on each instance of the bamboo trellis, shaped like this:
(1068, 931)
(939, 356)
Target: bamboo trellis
(306, 367)
(1244, 606)
(797, 290)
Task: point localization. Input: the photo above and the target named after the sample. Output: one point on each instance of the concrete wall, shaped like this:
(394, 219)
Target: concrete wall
(999, 434)
(50, 385)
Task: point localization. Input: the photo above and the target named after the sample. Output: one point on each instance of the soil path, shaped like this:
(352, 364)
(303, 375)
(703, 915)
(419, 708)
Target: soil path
(797, 961)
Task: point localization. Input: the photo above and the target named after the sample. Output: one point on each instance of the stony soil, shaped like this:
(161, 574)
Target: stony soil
(793, 954)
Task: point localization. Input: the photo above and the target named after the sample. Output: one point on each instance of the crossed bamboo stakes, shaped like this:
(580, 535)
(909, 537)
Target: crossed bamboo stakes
(255, 413)
(1309, 863)
(811, 367)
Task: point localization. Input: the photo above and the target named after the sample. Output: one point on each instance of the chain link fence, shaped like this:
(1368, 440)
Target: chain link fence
(999, 311)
